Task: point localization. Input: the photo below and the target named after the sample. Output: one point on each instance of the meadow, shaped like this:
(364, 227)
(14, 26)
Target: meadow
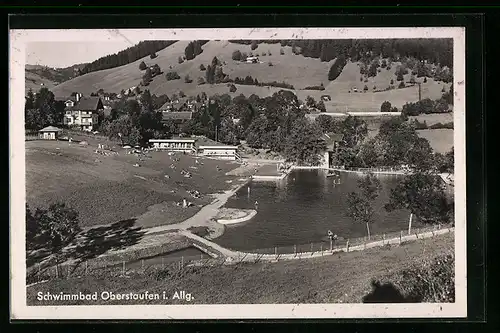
(107, 189)
(292, 69)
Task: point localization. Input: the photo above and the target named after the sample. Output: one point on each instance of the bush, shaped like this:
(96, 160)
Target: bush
(254, 45)
(365, 88)
(448, 125)
(386, 107)
(142, 66)
(425, 79)
(172, 75)
(182, 94)
(152, 55)
(236, 55)
(202, 67)
(180, 60)
(392, 82)
(321, 87)
(269, 53)
(270, 64)
(282, 52)
(232, 88)
(201, 81)
(187, 79)
(401, 85)
(336, 68)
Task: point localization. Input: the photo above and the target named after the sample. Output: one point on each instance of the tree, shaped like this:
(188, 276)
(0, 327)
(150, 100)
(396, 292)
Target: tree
(142, 66)
(152, 55)
(236, 55)
(310, 102)
(360, 205)
(423, 195)
(254, 45)
(187, 79)
(327, 124)
(365, 88)
(180, 60)
(201, 81)
(172, 75)
(336, 68)
(304, 145)
(321, 106)
(385, 107)
(282, 52)
(147, 77)
(202, 67)
(30, 100)
(232, 88)
(51, 228)
(401, 85)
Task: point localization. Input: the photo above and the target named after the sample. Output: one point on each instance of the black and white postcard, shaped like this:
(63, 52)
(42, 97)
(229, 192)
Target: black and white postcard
(238, 173)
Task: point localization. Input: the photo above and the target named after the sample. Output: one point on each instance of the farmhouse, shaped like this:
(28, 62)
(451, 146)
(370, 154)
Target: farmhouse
(252, 60)
(82, 112)
(198, 145)
(49, 133)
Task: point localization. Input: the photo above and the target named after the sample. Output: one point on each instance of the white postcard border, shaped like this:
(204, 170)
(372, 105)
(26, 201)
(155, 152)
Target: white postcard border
(19, 308)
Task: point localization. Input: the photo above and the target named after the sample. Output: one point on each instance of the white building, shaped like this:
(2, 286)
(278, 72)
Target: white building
(200, 146)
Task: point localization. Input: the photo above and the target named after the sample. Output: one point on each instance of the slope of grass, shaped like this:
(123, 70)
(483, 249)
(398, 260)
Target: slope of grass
(106, 189)
(34, 82)
(341, 278)
(441, 140)
(293, 69)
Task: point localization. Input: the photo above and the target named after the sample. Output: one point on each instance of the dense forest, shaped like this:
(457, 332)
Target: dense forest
(131, 54)
(435, 50)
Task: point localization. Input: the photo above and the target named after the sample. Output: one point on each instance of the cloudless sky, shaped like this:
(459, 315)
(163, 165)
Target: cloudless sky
(65, 54)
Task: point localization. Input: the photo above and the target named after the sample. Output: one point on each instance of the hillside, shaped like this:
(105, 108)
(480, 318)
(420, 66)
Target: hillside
(35, 75)
(35, 82)
(293, 69)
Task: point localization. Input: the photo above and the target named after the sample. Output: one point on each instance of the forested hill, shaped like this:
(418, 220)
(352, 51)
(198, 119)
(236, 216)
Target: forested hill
(435, 50)
(127, 56)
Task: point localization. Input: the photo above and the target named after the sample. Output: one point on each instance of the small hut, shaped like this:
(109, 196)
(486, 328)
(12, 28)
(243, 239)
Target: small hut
(49, 133)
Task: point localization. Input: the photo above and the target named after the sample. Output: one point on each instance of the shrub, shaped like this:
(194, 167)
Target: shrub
(270, 64)
(153, 55)
(254, 45)
(401, 85)
(269, 52)
(182, 94)
(366, 80)
(232, 88)
(336, 68)
(361, 79)
(180, 60)
(365, 88)
(201, 81)
(392, 82)
(448, 125)
(172, 75)
(187, 79)
(425, 79)
(202, 67)
(142, 66)
(443, 90)
(321, 87)
(282, 52)
(385, 107)
(236, 55)
(263, 54)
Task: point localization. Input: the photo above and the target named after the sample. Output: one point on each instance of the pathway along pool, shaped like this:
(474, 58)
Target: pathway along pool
(301, 209)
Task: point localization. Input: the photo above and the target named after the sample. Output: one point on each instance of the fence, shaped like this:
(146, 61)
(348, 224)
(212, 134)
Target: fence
(176, 265)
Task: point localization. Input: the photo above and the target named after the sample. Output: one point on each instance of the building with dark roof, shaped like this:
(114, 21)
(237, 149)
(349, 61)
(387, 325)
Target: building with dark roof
(83, 113)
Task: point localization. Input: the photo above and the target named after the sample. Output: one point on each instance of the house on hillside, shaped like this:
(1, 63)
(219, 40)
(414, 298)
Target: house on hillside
(49, 133)
(332, 141)
(252, 60)
(83, 113)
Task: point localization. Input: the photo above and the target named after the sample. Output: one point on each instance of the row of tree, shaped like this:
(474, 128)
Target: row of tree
(41, 109)
(434, 50)
(126, 56)
(193, 49)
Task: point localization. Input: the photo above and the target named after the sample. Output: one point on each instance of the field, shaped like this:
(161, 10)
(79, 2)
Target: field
(434, 118)
(342, 278)
(293, 69)
(107, 189)
(441, 140)
(34, 82)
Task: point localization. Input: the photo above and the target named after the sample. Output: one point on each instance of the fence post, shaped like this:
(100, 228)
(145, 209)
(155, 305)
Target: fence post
(347, 246)
(400, 237)
(321, 249)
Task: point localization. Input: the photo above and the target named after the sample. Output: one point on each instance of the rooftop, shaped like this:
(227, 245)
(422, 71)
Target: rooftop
(87, 104)
(50, 129)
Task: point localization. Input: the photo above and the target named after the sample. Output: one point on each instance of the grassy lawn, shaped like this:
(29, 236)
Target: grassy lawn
(441, 140)
(342, 278)
(106, 189)
(435, 118)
